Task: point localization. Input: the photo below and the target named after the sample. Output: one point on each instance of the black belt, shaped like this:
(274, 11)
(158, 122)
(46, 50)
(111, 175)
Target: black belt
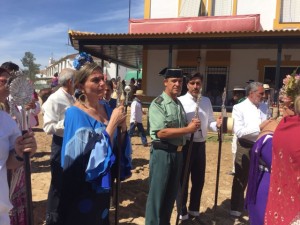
(246, 143)
(163, 145)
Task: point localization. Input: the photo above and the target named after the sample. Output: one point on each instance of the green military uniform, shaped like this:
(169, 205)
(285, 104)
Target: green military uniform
(165, 163)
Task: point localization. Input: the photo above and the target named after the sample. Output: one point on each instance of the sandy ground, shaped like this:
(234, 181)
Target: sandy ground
(133, 193)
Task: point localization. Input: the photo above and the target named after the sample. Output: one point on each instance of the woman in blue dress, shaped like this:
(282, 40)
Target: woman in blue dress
(87, 152)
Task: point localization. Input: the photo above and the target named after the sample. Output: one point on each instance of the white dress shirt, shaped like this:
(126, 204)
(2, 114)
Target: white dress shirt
(54, 111)
(136, 111)
(206, 115)
(247, 118)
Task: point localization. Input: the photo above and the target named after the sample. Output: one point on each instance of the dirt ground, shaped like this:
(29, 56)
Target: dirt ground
(133, 193)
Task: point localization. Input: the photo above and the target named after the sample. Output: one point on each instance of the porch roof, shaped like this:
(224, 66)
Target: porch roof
(126, 49)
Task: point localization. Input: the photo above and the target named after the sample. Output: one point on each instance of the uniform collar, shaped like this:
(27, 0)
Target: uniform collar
(167, 98)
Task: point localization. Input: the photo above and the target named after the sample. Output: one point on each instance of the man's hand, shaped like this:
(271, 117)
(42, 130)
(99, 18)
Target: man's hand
(266, 122)
(219, 121)
(194, 125)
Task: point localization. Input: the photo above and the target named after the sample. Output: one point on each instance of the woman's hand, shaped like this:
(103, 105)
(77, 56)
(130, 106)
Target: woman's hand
(118, 118)
(25, 143)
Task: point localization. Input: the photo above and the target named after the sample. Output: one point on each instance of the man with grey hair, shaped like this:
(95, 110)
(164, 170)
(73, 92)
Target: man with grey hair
(54, 113)
(250, 116)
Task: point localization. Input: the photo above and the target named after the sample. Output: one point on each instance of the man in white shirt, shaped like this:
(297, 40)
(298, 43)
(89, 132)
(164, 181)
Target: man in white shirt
(54, 113)
(136, 113)
(198, 156)
(250, 116)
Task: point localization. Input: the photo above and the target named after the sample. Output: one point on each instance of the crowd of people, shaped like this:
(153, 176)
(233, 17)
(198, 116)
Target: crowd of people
(91, 148)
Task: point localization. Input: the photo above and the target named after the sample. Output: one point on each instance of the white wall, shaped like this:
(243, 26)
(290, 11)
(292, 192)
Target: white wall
(157, 60)
(243, 66)
(266, 9)
(164, 9)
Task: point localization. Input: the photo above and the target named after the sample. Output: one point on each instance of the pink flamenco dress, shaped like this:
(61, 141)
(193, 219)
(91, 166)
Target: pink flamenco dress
(283, 206)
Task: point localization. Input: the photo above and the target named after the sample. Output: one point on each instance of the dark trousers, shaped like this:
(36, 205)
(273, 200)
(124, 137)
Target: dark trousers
(54, 193)
(165, 169)
(197, 173)
(240, 179)
(141, 131)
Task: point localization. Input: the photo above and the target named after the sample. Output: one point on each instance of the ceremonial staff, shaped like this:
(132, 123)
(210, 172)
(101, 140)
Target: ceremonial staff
(187, 161)
(118, 154)
(21, 92)
(127, 89)
(220, 139)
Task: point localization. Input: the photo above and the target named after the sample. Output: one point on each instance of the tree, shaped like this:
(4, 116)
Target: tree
(32, 68)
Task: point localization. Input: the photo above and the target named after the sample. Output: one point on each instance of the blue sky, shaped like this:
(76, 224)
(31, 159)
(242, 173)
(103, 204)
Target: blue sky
(41, 26)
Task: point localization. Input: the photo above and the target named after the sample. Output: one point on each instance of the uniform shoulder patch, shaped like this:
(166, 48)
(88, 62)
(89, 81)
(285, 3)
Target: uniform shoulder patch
(159, 100)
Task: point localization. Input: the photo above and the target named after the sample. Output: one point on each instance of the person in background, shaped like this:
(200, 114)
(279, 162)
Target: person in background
(107, 99)
(133, 89)
(139, 84)
(12, 147)
(238, 96)
(238, 93)
(86, 183)
(250, 117)
(54, 80)
(197, 161)
(114, 94)
(4, 91)
(16, 177)
(35, 97)
(167, 130)
(11, 157)
(267, 93)
(136, 114)
(54, 114)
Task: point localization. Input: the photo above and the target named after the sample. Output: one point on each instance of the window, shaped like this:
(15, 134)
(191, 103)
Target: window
(270, 72)
(222, 8)
(216, 81)
(190, 8)
(290, 11)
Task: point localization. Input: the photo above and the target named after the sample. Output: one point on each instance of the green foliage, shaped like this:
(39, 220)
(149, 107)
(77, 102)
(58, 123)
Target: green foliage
(28, 62)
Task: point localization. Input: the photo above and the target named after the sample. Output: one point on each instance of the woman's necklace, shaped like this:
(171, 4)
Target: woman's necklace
(95, 112)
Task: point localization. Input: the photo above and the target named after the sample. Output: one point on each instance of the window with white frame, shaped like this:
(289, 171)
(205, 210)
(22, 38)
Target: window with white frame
(290, 11)
(190, 8)
(222, 7)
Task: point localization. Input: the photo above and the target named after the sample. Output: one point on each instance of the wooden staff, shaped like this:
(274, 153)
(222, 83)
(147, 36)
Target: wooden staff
(187, 161)
(220, 139)
(119, 153)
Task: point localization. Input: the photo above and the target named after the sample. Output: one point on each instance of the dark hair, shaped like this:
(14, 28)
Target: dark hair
(3, 70)
(194, 75)
(10, 66)
(109, 83)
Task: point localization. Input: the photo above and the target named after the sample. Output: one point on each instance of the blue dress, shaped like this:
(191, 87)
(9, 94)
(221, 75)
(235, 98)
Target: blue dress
(87, 160)
(259, 179)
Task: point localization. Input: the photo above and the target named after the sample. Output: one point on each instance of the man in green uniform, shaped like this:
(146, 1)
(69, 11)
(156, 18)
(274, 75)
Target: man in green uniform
(167, 130)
